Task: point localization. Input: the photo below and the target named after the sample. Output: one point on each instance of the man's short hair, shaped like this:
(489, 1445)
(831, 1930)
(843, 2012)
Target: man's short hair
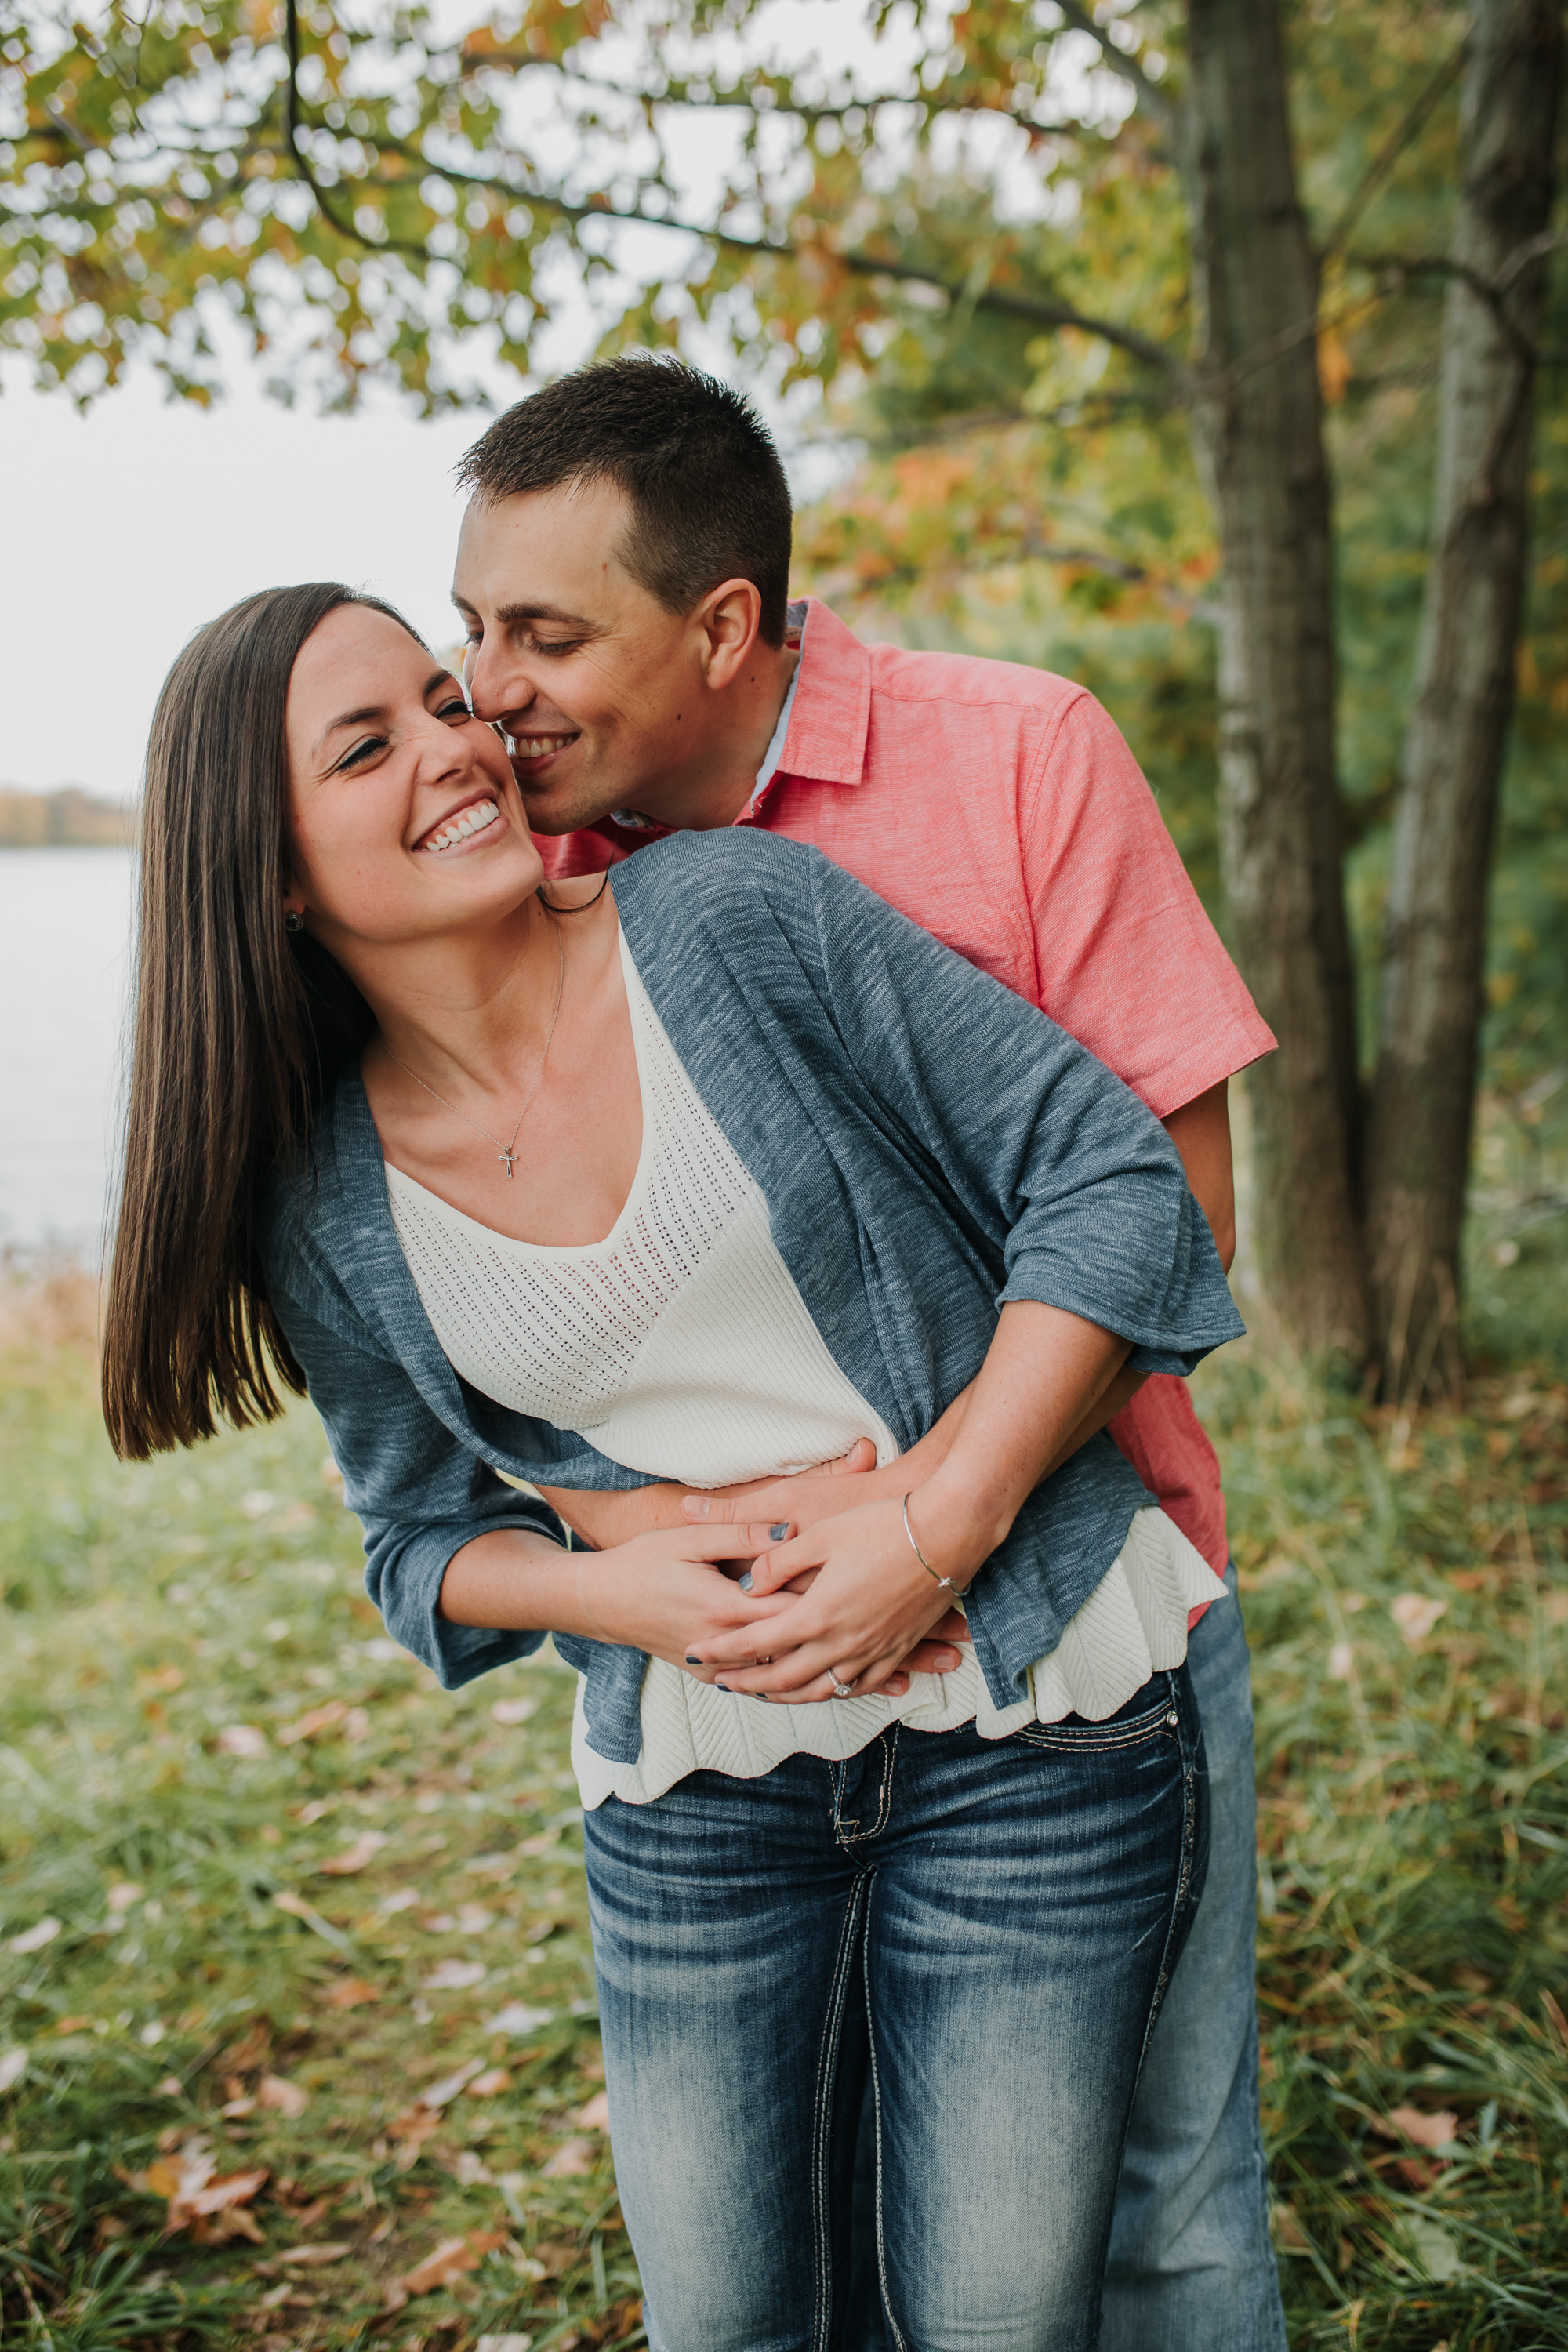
(708, 494)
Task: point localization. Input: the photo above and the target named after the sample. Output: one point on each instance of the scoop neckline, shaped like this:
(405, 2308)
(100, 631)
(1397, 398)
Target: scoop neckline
(641, 1013)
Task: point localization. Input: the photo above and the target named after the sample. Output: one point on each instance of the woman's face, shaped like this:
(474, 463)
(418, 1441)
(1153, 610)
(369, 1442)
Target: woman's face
(404, 815)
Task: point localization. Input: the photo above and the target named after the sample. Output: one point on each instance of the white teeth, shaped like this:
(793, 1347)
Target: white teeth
(534, 747)
(472, 820)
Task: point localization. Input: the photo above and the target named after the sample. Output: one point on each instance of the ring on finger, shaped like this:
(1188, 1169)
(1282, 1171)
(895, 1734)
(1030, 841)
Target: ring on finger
(841, 1689)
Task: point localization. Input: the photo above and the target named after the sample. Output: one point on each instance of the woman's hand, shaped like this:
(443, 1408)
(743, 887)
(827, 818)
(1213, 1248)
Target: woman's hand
(662, 1592)
(665, 1593)
(866, 1604)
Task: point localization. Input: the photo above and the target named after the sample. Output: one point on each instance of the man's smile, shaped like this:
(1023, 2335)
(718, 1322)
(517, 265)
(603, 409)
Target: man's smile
(531, 752)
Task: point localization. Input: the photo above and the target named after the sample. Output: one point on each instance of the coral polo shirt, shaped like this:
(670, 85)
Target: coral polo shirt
(1000, 809)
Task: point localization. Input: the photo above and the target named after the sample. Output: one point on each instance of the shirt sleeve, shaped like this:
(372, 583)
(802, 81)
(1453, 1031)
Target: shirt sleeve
(1126, 959)
(418, 1494)
(1046, 1151)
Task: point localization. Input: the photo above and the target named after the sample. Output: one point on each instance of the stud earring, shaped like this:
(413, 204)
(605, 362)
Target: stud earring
(293, 921)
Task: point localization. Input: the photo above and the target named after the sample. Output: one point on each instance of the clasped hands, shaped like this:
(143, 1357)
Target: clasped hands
(822, 1587)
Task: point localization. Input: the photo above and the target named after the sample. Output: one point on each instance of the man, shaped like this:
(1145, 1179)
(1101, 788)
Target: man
(623, 574)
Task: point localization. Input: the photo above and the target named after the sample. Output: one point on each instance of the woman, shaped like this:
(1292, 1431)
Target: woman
(702, 1180)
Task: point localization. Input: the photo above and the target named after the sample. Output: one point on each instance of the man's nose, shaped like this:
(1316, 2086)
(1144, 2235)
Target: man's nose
(497, 687)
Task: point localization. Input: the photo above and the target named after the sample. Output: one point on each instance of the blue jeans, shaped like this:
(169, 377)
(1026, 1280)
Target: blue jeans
(1191, 2264)
(982, 1929)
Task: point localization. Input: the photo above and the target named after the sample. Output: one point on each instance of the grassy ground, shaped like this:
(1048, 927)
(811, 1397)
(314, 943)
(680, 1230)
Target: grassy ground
(265, 1894)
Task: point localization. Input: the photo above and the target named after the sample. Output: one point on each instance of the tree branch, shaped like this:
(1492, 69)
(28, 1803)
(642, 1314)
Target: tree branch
(1158, 102)
(1033, 309)
(302, 162)
(1388, 154)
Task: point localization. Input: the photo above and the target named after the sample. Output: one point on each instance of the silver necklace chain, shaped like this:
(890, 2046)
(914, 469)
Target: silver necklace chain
(505, 1150)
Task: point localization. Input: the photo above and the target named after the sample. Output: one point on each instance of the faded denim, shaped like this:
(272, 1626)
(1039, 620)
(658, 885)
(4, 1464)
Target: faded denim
(982, 1929)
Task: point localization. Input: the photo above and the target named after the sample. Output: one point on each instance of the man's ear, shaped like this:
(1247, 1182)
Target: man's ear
(727, 620)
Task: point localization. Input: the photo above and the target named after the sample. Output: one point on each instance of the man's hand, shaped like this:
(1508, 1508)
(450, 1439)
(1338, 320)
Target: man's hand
(602, 1521)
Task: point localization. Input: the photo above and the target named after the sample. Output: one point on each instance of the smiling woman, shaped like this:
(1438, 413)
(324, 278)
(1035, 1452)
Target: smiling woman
(737, 1169)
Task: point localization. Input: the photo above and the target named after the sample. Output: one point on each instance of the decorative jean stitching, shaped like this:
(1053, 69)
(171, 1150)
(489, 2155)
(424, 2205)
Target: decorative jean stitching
(849, 1834)
(898, 2343)
(822, 2119)
(1185, 1877)
(1044, 1735)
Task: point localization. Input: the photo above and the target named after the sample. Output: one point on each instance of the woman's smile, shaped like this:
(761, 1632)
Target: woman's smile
(472, 820)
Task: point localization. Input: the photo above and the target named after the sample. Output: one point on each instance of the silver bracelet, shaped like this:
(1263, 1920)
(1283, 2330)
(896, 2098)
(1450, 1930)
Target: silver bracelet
(957, 1591)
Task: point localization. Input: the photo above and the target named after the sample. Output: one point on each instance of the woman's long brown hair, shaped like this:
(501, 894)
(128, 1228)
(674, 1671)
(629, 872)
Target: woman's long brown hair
(239, 1029)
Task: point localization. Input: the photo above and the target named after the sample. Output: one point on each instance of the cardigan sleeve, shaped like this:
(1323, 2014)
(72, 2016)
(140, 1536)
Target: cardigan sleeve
(1035, 1140)
(419, 1495)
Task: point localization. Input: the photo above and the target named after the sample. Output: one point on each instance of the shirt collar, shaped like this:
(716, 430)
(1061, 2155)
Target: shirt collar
(831, 697)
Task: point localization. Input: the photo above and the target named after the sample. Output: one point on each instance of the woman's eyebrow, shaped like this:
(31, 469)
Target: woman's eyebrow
(378, 710)
(352, 719)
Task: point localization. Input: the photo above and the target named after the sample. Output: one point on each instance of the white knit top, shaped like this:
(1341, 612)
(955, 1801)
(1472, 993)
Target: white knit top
(679, 1346)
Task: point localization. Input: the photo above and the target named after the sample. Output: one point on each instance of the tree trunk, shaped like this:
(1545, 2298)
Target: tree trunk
(1260, 447)
(1419, 1142)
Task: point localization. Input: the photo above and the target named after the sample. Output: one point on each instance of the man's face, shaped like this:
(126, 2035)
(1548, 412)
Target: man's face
(603, 692)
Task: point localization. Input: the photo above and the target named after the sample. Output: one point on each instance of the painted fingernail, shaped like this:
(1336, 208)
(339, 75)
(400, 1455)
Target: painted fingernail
(723, 1686)
(692, 1659)
(745, 1581)
(779, 1532)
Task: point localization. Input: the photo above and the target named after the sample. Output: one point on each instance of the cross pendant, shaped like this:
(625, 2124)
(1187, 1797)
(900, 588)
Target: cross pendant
(507, 1156)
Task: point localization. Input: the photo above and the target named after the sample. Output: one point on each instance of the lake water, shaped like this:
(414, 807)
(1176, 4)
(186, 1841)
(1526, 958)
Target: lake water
(65, 969)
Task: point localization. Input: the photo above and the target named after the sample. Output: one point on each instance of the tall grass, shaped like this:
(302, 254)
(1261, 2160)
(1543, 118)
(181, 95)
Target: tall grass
(278, 1858)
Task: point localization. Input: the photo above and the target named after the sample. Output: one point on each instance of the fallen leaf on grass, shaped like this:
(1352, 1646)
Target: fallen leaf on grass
(206, 2203)
(242, 1740)
(171, 2087)
(356, 1857)
(510, 2342)
(13, 2067)
(351, 1992)
(517, 2019)
(452, 2258)
(596, 2116)
(33, 1940)
(513, 1710)
(573, 2157)
(1415, 1615)
(317, 1719)
(121, 1896)
(313, 2254)
(473, 1918)
(489, 2085)
(455, 1975)
(298, 1908)
(279, 2096)
(442, 2094)
(248, 2051)
(1434, 2131)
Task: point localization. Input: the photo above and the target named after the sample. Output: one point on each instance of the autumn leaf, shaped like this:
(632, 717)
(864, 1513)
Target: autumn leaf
(310, 1725)
(356, 1857)
(489, 2085)
(451, 2259)
(596, 2116)
(573, 2157)
(333, 2252)
(279, 2096)
(1434, 2131)
(351, 1992)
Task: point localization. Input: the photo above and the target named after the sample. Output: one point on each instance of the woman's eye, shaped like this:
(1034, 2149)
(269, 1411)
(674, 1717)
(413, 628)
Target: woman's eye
(362, 753)
(456, 708)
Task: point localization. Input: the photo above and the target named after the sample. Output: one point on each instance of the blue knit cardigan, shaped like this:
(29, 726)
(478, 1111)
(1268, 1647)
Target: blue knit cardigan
(929, 1145)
